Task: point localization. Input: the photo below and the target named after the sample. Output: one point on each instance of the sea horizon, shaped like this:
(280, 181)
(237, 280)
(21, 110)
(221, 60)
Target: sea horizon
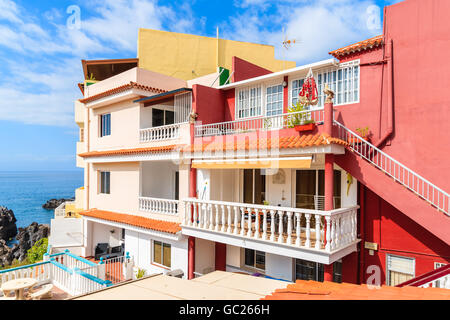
(25, 191)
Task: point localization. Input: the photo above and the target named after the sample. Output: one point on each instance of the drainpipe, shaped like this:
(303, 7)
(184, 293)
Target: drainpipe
(192, 194)
(388, 44)
(87, 166)
(362, 208)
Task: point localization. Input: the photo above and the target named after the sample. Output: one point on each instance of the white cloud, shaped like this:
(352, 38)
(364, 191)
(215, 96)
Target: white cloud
(318, 27)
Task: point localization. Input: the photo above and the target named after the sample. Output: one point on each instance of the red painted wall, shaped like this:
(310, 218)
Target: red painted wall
(244, 70)
(208, 103)
(396, 234)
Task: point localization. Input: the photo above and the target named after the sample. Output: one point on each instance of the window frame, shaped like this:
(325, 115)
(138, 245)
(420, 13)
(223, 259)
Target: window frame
(102, 131)
(162, 265)
(291, 88)
(248, 89)
(101, 181)
(265, 103)
(254, 259)
(164, 110)
(388, 278)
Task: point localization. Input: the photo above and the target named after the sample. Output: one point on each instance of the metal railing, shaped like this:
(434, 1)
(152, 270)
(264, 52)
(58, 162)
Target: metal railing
(261, 123)
(403, 175)
(290, 226)
(155, 205)
(168, 132)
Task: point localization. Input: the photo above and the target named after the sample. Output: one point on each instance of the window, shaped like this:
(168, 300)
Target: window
(248, 102)
(255, 259)
(308, 270)
(399, 269)
(254, 186)
(105, 125)
(177, 185)
(274, 100)
(162, 117)
(295, 90)
(162, 253)
(344, 81)
(310, 189)
(105, 178)
(81, 134)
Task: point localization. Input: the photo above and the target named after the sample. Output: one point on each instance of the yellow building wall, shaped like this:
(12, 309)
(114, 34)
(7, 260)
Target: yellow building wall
(187, 56)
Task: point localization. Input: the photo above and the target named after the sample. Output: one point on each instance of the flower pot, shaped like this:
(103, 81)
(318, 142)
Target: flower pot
(354, 140)
(305, 127)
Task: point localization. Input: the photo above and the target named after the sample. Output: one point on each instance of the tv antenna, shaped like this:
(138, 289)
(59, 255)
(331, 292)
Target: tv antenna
(287, 44)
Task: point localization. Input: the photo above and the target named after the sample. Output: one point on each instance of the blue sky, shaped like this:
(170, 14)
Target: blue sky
(40, 55)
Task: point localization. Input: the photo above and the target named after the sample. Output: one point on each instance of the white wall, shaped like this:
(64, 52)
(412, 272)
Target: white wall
(139, 245)
(279, 267)
(101, 233)
(66, 232)
(350, 199)
(279, 194)
(158, 179)
(233, 256)
(205, 255)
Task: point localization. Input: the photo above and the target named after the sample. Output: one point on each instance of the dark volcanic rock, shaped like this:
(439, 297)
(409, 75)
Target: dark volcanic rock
(54, 203)
(8, 228)
(26, 238)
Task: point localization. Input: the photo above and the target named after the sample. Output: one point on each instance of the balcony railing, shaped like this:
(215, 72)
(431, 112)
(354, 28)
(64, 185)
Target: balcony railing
(155, 205)
(302, 228)
(168, 132)
(262, 123)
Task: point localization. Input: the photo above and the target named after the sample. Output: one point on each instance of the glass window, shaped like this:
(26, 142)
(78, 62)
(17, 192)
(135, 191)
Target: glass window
(255, 259)
(344, 81)
(162, 253)
(295, 90)
(254, 186)
(308, 270)
(105, 178)
(399, 269)
(105, 125)
(162, 117)
(248, 102)
(274, 103)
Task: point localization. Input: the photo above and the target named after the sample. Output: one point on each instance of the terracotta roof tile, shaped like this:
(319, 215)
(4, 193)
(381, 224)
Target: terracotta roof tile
(152, 224)
(313, 290)
(125, 87)
(291, 142)
(129, 151)
(359, 46)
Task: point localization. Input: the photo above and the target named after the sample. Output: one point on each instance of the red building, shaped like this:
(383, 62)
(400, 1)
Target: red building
(392, 88)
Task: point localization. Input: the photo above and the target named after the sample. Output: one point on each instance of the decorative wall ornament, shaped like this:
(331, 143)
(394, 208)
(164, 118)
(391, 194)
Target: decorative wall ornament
(192, 117)
(279, 177)
(329, 93)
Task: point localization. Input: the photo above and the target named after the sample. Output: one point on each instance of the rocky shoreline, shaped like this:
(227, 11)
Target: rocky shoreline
(26, 237)
(54, 203)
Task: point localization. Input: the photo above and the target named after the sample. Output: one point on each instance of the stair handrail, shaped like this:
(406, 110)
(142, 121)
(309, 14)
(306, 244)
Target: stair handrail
(374, 152)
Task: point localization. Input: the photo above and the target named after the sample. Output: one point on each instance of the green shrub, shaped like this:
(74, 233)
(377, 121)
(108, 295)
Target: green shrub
(36, 253)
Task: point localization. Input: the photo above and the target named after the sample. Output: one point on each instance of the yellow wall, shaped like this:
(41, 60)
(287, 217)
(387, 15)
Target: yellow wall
(178, 54)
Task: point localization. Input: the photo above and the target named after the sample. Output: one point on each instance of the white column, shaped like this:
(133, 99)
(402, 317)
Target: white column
(264, 235)
(328, 234)
(249, 231)
(298, 229)
(289, 226)
(308, 230)
(242, 220)
(229, 219)
(236, 213)
(222, 208)
(272, 225)
(317, 218)
(280, 227)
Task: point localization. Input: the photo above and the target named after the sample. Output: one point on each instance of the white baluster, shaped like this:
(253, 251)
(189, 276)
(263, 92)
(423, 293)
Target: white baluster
(242, 220)
(298, 229)
(272, 225)
(318, 239)
(217, 219)
(229, 219)
(264, 235)
(236, 213)
(195, 207)
(328, 233)
(332, 235)
(280, 227)
(249, 231)
(256, 235)
(337, 238)
(222, 208)
(289, 226)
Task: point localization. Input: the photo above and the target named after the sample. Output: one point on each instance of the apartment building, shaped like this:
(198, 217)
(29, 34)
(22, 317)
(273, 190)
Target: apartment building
(204, 175)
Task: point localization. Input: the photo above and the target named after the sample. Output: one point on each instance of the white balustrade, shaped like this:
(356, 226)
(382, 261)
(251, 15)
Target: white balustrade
(155, 205)
(330, 231)
(262, 123)
(168, 132)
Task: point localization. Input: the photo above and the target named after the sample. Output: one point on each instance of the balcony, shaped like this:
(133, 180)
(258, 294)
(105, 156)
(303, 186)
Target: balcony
(262, 123)
(156, 205)
(80, 149)
(162, 133)
(314, 235)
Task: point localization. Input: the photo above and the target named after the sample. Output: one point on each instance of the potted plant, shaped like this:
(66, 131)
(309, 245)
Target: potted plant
(363, 133)
(300, 121)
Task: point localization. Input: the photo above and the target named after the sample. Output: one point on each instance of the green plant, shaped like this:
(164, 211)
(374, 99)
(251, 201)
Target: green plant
(140, 273)
(363, 132)
(16, 264)
(36, 253)
(299, 118)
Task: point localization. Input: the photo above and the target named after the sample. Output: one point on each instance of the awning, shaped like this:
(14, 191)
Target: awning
(163, 96)
(256, 163)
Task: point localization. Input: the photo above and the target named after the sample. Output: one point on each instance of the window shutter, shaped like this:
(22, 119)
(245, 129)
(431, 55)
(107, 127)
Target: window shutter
(401, 264)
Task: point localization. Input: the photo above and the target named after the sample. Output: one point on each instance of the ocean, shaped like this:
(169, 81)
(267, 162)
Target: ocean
(26, 192)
